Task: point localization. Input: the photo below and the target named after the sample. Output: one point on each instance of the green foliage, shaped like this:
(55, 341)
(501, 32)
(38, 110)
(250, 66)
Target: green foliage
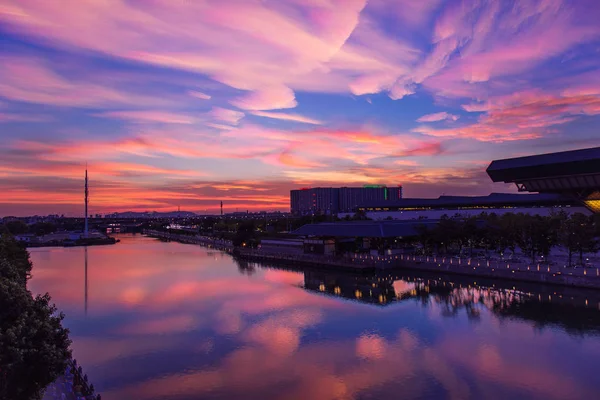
(579, 234)
(246, 233)
(16, 227)
(35, 346)
(42, 228)
(18, 267)
(535, 235)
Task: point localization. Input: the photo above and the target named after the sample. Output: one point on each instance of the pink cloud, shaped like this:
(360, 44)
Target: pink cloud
(32, 80)
(226, 115)
(287, 117)
(150, 116)
(267, 99)
(12, 117)
(325, 46)
(496, 41)
(441, 116)
(522, 116)
(199, 95)
(475, 107)
(289, 159)
(303, 46)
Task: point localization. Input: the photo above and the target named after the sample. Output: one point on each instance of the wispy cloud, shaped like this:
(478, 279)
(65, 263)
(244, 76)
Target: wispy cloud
(199, 95)
(440, 116)
(226, 115)
(287, 117)
(149, 116)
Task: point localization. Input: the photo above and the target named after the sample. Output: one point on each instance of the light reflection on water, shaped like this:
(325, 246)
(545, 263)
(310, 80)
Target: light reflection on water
(175, 321)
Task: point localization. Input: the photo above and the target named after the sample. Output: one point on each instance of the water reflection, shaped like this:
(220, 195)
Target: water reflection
(574, 310)
(85, 249)
(166, 320)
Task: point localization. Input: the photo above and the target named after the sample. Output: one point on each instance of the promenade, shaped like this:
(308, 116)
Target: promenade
(538, 273)
(588, 277)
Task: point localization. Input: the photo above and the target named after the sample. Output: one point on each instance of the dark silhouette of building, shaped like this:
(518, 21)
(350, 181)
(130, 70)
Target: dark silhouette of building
(575, 174)
(331, 200)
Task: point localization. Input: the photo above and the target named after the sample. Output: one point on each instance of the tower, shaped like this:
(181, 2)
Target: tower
(85, 229)
(221, 208)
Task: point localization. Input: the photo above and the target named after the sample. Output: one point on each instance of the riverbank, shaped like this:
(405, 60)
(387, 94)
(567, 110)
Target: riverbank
(554, 275)
(544, 274)
(207, 241)
(74, 243)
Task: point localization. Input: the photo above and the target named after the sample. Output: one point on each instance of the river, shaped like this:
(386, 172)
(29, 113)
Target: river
(164, 320)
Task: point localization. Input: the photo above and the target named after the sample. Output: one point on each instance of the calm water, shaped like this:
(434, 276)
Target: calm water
(158, 320)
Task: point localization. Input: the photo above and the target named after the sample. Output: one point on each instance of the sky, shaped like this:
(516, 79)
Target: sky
(189, 103)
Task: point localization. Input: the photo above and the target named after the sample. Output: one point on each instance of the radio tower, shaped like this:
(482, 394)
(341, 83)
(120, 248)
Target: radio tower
(85, 229)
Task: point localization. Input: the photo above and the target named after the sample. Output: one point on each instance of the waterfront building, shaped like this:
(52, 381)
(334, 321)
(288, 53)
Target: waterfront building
(352, 197)
(574, 174)
(566, 181)
(331, 200)
(317, 200)
(282, 246)
(467, 206)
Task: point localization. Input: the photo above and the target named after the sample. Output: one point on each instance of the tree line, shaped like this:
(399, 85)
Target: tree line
(34, 347)
(534, 235)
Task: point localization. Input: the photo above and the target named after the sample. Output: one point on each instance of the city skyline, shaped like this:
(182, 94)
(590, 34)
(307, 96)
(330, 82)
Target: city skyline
(242, 101)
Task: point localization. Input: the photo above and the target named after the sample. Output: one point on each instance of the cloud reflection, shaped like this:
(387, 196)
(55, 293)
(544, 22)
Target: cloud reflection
(187, 325)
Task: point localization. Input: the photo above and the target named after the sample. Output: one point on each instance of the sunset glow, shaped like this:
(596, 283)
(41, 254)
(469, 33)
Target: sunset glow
(186, 104)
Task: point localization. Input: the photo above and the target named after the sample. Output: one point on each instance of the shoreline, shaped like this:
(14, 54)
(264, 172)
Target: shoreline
(78, 243)
(382, 263)
(370, 264)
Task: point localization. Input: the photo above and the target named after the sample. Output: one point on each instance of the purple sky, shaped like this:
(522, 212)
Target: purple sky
(186, 103)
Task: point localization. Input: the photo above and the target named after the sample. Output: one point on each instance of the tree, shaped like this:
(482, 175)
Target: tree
(42, 228)
(425, 237)
(489, 233)
(18, 266)
(508, 232)
(584, 232)
(566, 235)
(446, 232)
(469, 232)
(245, 233)
(16, 227)
(35, 347)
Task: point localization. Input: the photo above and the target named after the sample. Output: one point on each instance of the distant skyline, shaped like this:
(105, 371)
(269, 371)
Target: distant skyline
(192, 103)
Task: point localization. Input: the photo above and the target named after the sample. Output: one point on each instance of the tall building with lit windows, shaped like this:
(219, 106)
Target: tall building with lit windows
(328, 201)
(353, 197)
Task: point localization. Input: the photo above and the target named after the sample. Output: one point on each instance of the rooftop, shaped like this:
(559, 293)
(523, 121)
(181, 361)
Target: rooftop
(498, 199)
(583, 162)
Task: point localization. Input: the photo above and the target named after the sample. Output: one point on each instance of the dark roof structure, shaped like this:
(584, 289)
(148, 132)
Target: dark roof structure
(465, 202)
(368, 229)
(562, 172)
